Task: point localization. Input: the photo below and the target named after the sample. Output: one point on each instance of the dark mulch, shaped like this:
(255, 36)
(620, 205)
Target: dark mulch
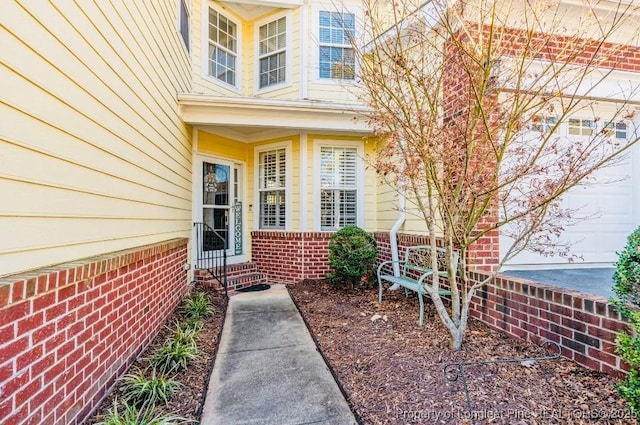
(392, 369)
(193, 379)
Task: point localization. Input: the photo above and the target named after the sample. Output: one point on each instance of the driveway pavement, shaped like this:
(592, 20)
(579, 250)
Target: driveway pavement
(597, 281)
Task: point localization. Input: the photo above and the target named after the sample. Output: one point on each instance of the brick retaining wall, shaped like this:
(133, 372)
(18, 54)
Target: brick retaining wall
(69, 331)
(584, 325)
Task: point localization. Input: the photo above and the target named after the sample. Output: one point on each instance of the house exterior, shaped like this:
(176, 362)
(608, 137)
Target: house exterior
(123, 123)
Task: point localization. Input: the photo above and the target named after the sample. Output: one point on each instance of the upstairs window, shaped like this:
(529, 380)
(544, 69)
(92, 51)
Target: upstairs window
(184, 24)
(271, 187)
(272, 52)
(223, 48)
(336, 56)
(338, 187)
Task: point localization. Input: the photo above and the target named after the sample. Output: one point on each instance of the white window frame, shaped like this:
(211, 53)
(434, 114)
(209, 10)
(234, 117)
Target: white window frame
(288, 56)
(360, 168)
(315, 45)
(206, 5)
(287, 190)
(186, 44)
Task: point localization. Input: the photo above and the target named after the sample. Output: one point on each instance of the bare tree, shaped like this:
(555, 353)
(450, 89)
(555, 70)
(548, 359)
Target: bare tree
(466, 99)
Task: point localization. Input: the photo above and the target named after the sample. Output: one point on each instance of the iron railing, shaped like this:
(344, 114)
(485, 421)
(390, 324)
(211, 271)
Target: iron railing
(211, 252)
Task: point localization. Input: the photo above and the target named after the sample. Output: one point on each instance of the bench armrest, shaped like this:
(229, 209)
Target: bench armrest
(384, 263)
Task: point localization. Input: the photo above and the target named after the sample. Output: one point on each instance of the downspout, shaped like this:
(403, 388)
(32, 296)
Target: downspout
(393, 235)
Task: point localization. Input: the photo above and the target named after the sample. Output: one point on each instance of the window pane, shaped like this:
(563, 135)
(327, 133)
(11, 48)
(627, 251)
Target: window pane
(184, 24)
(272, 209)
(338, 182)
(272, 54)
(215, 184)
(222, 48)
(271, 184)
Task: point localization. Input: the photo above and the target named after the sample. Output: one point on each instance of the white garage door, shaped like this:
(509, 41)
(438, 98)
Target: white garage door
(610, 207)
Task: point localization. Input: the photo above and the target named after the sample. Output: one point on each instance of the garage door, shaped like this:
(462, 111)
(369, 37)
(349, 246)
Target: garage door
(609, 203)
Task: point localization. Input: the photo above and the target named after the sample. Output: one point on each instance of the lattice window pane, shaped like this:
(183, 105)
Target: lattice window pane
(336, 56)
(222, 48)
(272, 52)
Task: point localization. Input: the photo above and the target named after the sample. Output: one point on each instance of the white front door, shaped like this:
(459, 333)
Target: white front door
(220, 205)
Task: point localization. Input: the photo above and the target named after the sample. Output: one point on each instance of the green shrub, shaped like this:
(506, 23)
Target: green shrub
(173, 356)
(352, 256)
(627, 290)
(130, 415)
(627, 274)
(141, 390)
(197, 305)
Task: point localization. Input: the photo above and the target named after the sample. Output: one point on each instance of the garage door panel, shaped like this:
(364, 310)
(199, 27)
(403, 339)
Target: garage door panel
(608, 204)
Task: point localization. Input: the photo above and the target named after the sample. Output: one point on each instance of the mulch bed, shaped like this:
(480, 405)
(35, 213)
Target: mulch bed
(392, 370)
(194, 379)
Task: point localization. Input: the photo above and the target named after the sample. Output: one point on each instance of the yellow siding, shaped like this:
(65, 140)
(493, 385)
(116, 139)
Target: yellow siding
(221, 147)
(94, 156)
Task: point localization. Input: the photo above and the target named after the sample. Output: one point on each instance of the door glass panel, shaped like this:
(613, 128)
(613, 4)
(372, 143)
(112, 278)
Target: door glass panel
(215, 200)
(218, 220)
(215, 181)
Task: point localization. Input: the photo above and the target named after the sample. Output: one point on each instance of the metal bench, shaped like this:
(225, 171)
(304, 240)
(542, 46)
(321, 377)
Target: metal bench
(415, 268)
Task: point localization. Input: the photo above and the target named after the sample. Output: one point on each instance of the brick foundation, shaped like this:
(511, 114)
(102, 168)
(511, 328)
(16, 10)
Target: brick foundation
(584, 325)
(68, 332)
(289, 257)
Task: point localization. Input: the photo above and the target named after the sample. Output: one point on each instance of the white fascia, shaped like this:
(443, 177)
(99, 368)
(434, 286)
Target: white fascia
(273, 113)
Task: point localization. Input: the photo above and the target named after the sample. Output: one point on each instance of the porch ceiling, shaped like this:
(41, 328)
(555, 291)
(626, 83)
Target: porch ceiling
(248, 117)
(251, 9)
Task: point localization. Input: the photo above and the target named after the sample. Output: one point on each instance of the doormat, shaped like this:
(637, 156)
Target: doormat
(255, 288)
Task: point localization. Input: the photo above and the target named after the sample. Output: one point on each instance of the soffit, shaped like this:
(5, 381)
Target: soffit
(248, 118)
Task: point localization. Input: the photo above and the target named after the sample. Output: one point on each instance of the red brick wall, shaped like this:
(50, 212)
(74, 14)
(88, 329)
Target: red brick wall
(584, 325)
(289, 257)
(68, 332)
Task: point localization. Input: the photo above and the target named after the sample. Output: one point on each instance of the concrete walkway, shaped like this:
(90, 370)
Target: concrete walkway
(268, 370)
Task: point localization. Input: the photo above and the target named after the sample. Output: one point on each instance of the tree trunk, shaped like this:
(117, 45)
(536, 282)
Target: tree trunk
(456, 339)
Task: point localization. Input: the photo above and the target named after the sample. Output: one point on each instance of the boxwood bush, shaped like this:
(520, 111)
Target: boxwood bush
(352, 256)
(627, 289)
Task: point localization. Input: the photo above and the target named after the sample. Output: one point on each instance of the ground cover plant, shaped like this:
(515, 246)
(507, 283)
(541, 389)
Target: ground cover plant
(392, 370)
(172, 391)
